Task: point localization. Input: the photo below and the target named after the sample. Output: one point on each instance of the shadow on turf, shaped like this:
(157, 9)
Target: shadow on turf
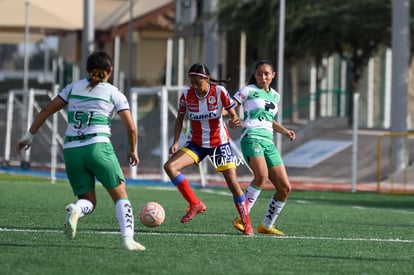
(404, 202)
(321, 257)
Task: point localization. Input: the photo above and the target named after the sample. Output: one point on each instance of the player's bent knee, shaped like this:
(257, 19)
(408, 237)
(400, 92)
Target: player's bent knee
(168, 166)
(286, 189)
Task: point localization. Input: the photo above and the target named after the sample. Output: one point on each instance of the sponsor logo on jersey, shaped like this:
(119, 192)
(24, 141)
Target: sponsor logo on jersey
(210, 115)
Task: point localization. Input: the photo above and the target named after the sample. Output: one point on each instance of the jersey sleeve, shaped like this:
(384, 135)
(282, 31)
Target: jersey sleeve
(241, 95)
(276, 96)
(64, 94)
(120, 101)
(226, 98)
(182, 105)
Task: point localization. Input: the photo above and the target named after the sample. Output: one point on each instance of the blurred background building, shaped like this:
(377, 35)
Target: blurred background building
(329, 58)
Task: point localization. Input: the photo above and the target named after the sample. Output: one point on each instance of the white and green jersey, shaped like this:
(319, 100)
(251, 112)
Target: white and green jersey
(260, 109)
(90, 112)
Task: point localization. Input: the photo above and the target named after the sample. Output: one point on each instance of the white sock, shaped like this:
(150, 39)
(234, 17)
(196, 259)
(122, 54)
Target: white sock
(275, 207)
(125, 216)
(252, 193)
(83, 207)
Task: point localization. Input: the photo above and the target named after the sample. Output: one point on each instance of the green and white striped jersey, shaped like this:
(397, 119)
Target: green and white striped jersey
(90, 111)
(260, 109)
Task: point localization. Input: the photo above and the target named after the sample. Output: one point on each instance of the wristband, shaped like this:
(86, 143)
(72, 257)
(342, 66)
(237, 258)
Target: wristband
(27, 138)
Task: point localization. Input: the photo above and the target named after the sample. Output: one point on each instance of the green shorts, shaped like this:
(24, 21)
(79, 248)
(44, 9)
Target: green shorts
(85, 163)
(253, 147)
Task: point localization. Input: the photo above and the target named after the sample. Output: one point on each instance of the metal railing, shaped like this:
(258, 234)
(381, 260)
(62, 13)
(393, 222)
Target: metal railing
(396, 163)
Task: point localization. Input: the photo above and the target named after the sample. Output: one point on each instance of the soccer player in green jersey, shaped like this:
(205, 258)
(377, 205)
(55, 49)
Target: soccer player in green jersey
(260, 105)
(88, 150)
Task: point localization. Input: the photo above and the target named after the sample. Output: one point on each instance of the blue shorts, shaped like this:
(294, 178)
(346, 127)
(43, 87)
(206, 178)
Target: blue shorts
(222, 156)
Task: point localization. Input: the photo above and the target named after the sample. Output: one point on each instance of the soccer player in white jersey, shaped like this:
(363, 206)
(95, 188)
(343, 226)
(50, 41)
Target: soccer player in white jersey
(88, 150)
(260, 105)
(203, 102)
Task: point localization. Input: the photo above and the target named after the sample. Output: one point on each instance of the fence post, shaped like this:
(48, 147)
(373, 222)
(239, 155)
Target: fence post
(164, 131)
(29, 118)
(9, 122)
(355, 143)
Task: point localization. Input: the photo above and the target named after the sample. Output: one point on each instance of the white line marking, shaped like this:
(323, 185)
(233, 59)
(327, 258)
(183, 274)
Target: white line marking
(28, 230)
(214, 191)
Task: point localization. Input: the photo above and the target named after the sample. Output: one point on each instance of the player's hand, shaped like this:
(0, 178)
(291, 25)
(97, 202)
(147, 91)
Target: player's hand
(133, 158)
(25, 142)
(173, 148)
(235, 122)
(291, 134)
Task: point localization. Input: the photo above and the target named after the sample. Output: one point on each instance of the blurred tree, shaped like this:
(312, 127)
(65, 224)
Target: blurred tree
(353, 29)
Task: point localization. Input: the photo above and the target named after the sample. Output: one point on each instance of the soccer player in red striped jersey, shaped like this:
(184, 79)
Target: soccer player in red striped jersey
(204, 102)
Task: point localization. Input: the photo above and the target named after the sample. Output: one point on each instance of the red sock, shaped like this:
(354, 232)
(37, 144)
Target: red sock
(244, 214)
(187, 192)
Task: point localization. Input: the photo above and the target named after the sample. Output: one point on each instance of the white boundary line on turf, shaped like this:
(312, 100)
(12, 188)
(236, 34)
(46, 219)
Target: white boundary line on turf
(210, 235)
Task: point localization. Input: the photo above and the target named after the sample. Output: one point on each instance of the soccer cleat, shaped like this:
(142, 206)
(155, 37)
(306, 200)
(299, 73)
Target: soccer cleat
(71, 221)
(130, 244)
(238, 224)
(248, 230)
(272, 230)
(193, 210)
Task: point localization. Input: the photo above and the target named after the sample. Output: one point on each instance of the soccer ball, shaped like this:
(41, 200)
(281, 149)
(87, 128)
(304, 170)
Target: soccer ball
(152, 214)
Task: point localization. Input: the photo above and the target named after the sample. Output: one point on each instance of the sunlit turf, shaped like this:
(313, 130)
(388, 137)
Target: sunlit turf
(326, 233)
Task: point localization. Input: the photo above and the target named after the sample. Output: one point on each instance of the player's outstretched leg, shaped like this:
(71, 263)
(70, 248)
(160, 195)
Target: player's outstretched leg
(125, 216)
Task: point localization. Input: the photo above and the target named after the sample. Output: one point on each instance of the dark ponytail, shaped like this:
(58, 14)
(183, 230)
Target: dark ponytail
(99, 66)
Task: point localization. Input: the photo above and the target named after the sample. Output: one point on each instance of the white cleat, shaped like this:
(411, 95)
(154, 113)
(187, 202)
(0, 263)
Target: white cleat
(128, 243)
(71, 221)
